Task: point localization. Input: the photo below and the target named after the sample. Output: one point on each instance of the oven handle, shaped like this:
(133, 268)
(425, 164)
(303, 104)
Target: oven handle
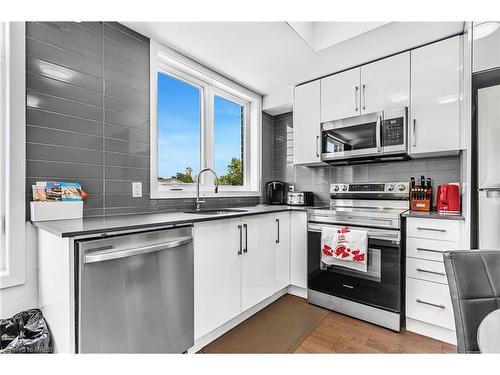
(383, 235)
(353, 217)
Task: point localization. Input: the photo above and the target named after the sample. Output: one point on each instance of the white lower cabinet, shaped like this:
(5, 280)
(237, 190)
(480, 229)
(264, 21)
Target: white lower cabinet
(282, 251)
(238, 263)
(428, 303)
(217, 274)
(258, 259)
(298, 249)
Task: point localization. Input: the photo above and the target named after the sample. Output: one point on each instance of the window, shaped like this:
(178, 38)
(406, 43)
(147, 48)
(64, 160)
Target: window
(200, 119)
(229, 125)
(179, 127)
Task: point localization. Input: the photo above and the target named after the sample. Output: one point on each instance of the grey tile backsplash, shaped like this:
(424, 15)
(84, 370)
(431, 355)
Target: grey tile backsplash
(87, 116)
(318, 179)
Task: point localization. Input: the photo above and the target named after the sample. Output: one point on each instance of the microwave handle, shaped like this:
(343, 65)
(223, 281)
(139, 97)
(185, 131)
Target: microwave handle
(317, 146)
(378, 133)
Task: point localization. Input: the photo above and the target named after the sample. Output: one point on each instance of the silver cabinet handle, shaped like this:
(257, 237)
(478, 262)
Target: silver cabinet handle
(102, 255)
(245, 249)
(278, 238)
(240, 250)
(364, 96)
(431, 304)
(317, 146)
(429, 250)
(356, 90)
(433, 272)
(379, 130)
(414, 133)
(432, 229)
(347, 286)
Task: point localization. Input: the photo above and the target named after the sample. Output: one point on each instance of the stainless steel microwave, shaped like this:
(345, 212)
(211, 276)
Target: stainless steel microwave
(376, 137)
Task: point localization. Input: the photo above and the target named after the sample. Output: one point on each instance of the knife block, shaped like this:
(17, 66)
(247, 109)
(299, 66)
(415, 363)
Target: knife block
(420, 199)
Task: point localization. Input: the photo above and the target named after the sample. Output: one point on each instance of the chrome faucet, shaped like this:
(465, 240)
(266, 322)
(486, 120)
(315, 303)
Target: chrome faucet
(216, 190)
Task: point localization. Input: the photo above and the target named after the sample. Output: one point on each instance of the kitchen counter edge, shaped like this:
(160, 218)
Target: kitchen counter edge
(109, 225)
(432, 215)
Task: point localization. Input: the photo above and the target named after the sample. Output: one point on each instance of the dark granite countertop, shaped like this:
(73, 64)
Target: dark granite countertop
(433, 215)
(99, 225)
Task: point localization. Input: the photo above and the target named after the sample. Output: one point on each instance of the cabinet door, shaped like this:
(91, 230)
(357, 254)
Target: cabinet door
(486, 53)
(258, 259)
(306, 124)
(282, 251)
(217, 274)
(435, 98)
(385, 84)
(298, 249)
(341, 95)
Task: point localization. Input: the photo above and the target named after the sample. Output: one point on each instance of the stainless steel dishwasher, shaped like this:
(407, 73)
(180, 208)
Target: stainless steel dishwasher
(135, 293)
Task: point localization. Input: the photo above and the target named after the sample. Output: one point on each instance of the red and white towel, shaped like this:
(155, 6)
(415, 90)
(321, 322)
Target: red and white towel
(345, 247)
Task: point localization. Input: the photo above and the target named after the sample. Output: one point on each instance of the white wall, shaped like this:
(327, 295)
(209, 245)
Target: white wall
(23, 297)
(278, 102)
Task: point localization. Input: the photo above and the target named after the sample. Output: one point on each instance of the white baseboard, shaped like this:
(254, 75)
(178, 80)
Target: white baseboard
(297, 291)
(209, 337)
(431, 330)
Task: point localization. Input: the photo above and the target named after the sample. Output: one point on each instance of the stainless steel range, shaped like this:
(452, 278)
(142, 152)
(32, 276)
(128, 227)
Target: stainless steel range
(377, 294)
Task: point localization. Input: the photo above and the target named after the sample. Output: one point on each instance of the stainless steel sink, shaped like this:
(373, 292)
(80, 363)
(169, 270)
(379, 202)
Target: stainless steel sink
(215, 212)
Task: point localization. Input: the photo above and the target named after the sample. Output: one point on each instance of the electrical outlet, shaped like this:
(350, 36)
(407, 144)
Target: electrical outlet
(137, 189)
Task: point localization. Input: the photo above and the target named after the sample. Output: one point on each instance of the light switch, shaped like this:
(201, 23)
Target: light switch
(136, 189)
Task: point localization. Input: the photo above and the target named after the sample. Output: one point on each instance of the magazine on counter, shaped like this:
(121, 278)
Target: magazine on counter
(71, 191)
(53, 191)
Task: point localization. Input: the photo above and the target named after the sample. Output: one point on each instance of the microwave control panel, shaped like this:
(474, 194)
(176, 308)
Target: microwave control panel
(393, 132)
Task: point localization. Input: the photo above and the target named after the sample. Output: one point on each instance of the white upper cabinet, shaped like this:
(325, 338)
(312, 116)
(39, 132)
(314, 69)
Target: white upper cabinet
(435, 99)
(341, 95)
(385, 84)
(486, 46)
(306, 124)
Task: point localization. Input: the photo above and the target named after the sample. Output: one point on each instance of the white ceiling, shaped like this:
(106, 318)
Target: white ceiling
(320, 35)
(270, 57)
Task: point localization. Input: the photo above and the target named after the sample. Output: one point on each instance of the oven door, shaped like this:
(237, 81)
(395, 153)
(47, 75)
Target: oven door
(380, 286)
(352, 137)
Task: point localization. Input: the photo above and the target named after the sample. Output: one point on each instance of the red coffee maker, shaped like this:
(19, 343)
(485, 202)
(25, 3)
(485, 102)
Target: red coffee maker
(448, 199)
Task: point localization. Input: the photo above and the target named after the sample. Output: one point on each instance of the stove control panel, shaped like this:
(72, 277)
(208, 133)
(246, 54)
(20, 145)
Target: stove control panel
(388, 187)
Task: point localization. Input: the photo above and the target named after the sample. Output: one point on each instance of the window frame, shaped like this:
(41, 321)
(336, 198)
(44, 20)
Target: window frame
(168, 61)
(13, 121)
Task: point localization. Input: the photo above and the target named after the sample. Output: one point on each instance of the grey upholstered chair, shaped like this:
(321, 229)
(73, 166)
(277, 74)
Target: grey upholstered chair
(474, 281)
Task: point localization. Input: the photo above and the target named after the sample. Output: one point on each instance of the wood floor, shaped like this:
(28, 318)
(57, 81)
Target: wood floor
(338, 333)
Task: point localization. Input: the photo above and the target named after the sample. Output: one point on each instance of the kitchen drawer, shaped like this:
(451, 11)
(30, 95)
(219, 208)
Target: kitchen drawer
(434, 229)
(426, 270)
(428, 249)
(429, 302)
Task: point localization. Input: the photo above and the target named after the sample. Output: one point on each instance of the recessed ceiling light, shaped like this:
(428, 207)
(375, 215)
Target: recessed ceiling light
(56, 72)
(447, 99)
(484, 29)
